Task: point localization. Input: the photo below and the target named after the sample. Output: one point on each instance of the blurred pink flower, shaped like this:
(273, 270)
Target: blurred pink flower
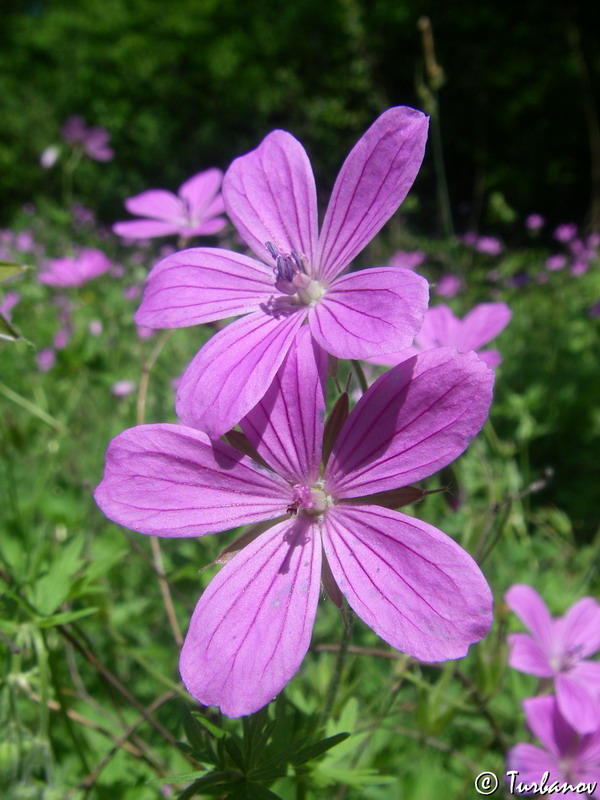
(49, 157)
(567, 765)
(565, 232)
(412, 584)
(448, 286)
(9, 301)
(95, 327)
(196, 210)
(441, 328)
(534, 222)
(122, 388)
(560, 649)
(407, 259)
(61, 339)
(93, 140)
(88, 264)
(556, 262)
(46, 359)
(488, 245)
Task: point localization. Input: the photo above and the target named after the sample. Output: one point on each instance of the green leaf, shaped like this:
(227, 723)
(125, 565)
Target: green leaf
(210, 726)
(62, 619)
(8, 330)
(317, 749)
(8, 269)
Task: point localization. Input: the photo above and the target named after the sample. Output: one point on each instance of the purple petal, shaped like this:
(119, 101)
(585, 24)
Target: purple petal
(440, 329)
(545, 722)
(156, 204)
(482, 324)
(235, 368)
(526, 655)
(252, 626)
(407, 580)
(209, 227)
(578, 701)
(203, 284)
(412, 421)
(168, 480)
(144, 228)
(531, 763)
(373, 181)
(200, 190)
(392, 359)
(490, 357)
(579, 629)
(270, 196)
(529, 607)
(370, 312)
(286, 427)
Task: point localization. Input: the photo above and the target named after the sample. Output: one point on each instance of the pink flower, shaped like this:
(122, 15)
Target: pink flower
(566, 758)
(122, 388)
(407, 259)
(488, 245)
(8, 303)
(565, 232)
(556, 262)
(49, 156)
(45, 359)
(411, 583)
(75, 271)
(194, 211)
(534, 222)
(93, 140)
(448, 286)
(441, 328)
(270, 196)
(559, 649)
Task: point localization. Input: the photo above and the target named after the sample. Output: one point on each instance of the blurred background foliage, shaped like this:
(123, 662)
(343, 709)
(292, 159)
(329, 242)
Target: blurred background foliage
(192, 83)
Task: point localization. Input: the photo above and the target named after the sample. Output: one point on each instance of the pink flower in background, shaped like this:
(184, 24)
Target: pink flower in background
(45, 359)
(123, 388)
(565, 232)
(95, 327)
(556, 262)
(412, 584)
(49, 156)
(407, 259)
(441, 328)
(9, 301)
(61, 339)
(270, 196)
(448, 286)
(93, 140)
(566, 757)
(488, 245)
(534, 222)
(196, 210)
(560, 649)
(88, 264)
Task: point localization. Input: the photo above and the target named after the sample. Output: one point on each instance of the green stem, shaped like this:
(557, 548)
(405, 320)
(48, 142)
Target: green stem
(348, 617)
(360, 375)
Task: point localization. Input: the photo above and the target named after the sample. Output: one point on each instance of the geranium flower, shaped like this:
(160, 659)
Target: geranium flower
(271, 198)
(407, 580)
(88, 264)
(441, 328)
(196, 209)
(559, 649)
(568, 764)
(93, 140)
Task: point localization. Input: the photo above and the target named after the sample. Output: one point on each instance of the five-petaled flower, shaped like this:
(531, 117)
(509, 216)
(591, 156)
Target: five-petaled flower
(196, 209)
(568, 764)
(270, 196)
(86, 265)
(560, 649)
(320, 512)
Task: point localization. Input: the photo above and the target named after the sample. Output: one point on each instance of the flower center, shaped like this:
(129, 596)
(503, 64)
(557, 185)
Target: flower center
(309, 500)
(292, 277)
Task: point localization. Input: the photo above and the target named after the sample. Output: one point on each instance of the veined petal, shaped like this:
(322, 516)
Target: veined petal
(169, 480)
(578, 701)
(234, 369)
(270, 196)
(546, 723)
(414, 420)
(531, 762)
(526, 655)
(252, 626)
(145, 228)
(482, 324)
(370, 312)
(199, 191)
(156, 204)
(407, 580)
(203, 284)
(373, 181)
(529, 607)
(286, 426)
(579, 630)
